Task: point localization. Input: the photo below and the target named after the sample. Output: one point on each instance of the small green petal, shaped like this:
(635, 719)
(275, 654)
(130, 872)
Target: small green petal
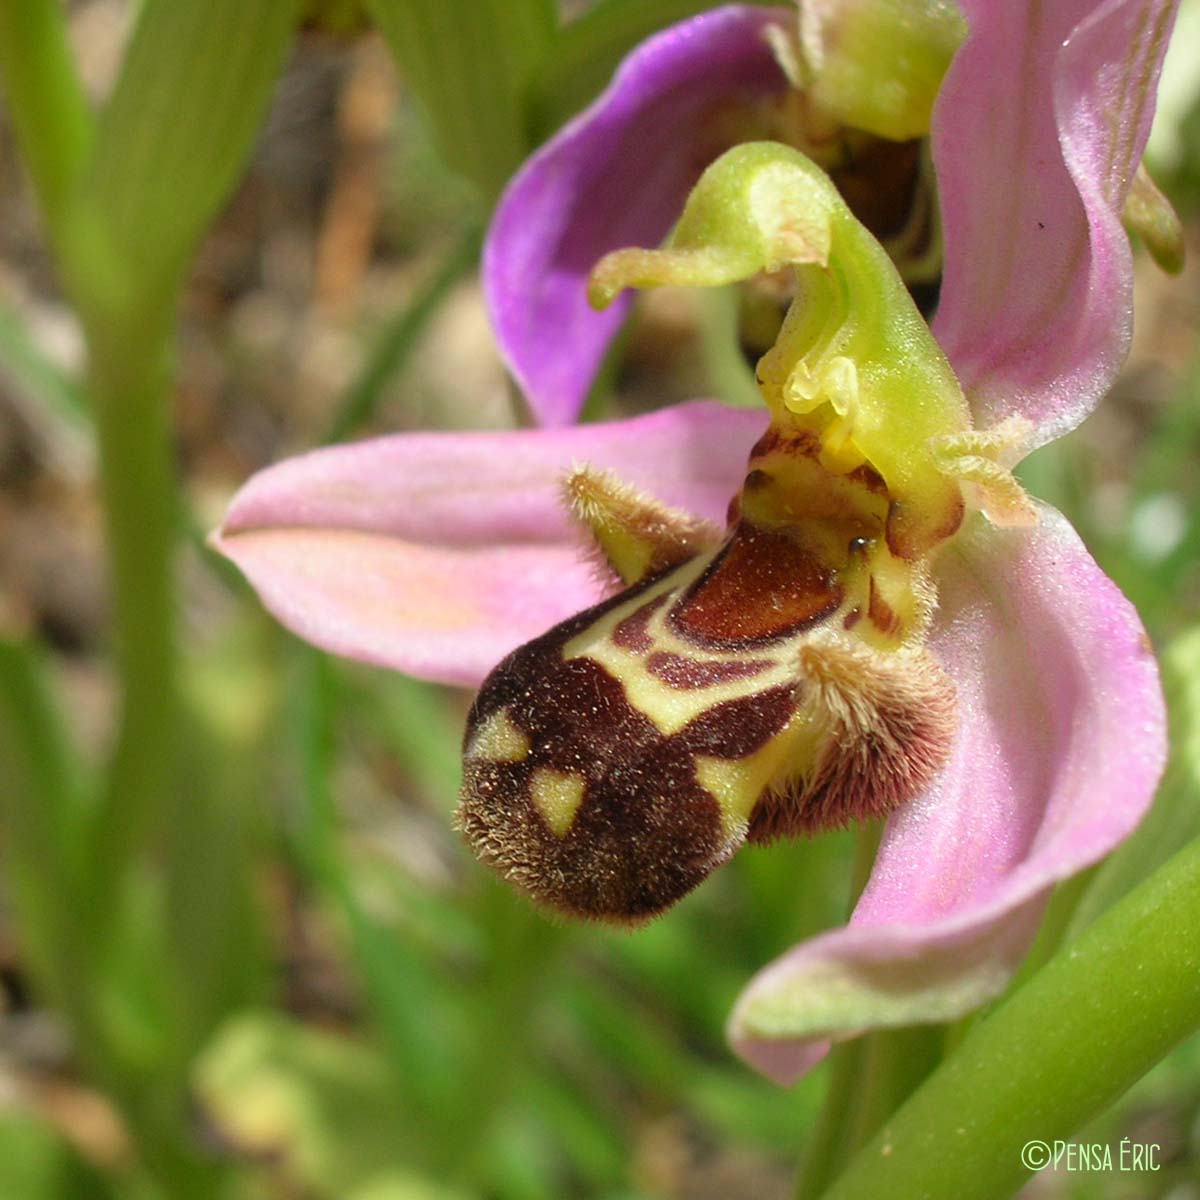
(878, 64)
(1149, 215)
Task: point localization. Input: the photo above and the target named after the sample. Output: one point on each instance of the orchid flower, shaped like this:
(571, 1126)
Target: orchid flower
(998, 694)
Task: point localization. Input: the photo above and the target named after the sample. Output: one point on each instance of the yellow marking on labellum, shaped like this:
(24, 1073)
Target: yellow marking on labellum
(557, 796)
(669, 708)
(737, 783)
(499, 740)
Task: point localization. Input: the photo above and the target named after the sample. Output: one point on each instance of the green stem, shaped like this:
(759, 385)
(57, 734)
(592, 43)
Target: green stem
(1124, 993)
(129, 391)
(827, 1148)
(871, 1078)
(895, 1062)
(46, 103)
(868, 1076)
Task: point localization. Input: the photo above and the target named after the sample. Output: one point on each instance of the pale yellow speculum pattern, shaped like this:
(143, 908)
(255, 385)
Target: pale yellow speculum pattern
(736, 783)
(670, 709)
(499, 740)
(557, 796)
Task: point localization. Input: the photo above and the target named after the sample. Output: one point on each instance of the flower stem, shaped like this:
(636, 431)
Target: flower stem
(1131, 987)
(827, 1150)
(869, 1077)
(128, 383)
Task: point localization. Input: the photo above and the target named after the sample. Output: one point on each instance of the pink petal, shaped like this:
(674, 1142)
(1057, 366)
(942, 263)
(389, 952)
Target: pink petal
(616, 176)
(438, 553)
(1036, 143)
(1059, 751)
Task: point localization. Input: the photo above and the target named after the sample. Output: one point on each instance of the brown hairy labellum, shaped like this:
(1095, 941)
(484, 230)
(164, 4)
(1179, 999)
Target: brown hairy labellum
(765, 685)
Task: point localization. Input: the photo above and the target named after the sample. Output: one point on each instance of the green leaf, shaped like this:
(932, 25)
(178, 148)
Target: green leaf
(175, 135)
(1098, 1016)
(24, 367)
(46, 104)
(587, 50)
(469, 63)
(414, 1025)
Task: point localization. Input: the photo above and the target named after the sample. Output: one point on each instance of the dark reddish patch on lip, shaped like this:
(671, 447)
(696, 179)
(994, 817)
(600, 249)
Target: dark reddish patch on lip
(687, 674)
(633, 633)
(761, 586)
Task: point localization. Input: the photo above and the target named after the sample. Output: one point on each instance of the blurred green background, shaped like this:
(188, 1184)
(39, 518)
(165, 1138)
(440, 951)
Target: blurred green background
(314, 990)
